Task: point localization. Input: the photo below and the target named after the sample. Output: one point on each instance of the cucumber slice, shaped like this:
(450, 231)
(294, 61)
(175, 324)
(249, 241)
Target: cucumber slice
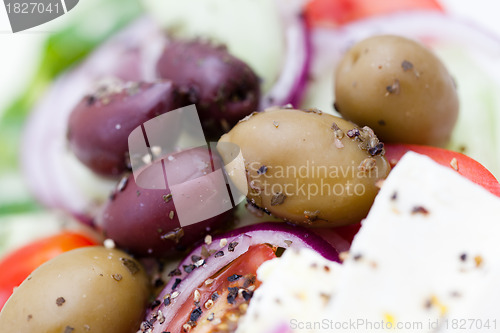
(251, 29)
(477, 132)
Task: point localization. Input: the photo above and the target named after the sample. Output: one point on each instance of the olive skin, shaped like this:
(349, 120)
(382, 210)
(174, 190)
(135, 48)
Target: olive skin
(307, 167)
(224, 88)
(146, 221)
(90, 289)
(399, 88)
(100, 124)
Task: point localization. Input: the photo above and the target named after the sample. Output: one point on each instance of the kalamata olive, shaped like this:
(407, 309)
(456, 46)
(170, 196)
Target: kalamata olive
(399, 88)
(227, 88)
(147, 222)
(91, 289)
(307, 167)
(100, 124)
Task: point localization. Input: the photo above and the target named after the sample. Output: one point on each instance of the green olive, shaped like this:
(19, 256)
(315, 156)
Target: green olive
(399, 88)
(305, 167)
(92, 289)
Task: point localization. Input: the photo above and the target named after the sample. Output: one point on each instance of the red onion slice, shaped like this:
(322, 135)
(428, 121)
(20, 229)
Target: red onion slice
(47, 163)
(290, 86)
(276, 234)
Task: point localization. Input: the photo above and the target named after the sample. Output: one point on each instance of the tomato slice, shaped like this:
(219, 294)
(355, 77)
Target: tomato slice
(463, 164)
(18, 265)
(216, 305)
(337, 12)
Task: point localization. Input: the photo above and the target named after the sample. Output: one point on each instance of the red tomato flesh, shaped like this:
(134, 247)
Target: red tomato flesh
(226, 305)
(338, 12)
(18, 265)
(461, 163)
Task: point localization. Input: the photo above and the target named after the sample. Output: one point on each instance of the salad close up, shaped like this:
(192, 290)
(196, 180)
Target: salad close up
(270, 166)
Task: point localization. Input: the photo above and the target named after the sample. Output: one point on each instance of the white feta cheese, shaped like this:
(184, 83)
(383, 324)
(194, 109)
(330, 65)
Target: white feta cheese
(429, 243)
(295, 290)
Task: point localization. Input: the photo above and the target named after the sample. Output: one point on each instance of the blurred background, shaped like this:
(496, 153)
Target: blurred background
(31, 59)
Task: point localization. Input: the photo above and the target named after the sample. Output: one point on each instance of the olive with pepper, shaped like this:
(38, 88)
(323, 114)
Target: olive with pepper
(399, 88)
(306, 167)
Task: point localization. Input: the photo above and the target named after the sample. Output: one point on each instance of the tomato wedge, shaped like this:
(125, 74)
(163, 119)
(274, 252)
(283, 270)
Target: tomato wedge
(334, 13)
(18, 265)
(215, 305)
(463, 164)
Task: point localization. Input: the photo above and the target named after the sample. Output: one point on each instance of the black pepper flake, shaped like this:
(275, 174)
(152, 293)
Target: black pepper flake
(247, 295)
(214, 296)
(195, 314)
(155, 304)
(233, 277)
(231, 296)
(30, 317)
(394, 88)
(394, 196)
(353, 133)
(60, 301)
(131, 265)
(232, 246)
(357, 257)
(419, 210)
(195, 258)
(175, 272)
(381, 122)
(167, 301)
(188, 268)
(406, 65)
(377, 150)
(68, 329)
(262, 170)
(278, 199)
(219, 254)
(176, 283)
(463, 256)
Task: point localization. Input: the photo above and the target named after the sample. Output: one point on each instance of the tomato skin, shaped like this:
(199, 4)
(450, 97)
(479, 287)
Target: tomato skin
(467, 166)
(338, 12)
(246, 264)
(18, 265)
